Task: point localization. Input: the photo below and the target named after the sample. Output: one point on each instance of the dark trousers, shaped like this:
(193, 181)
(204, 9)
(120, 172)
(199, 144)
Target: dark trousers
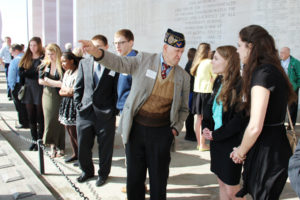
(148, 148)
(88, 127)
(36, 120)
(293, 108)
(294, 169)
(20, 107)
(189, 125)
(6, 65)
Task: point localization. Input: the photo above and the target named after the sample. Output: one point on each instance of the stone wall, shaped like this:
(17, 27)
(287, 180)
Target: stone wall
(214, 21)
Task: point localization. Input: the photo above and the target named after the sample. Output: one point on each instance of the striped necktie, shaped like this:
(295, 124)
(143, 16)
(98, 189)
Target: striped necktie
(97, 73)
(164, 71)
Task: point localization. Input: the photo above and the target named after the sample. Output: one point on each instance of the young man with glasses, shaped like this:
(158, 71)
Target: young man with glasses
(123, 42)
(154, 112)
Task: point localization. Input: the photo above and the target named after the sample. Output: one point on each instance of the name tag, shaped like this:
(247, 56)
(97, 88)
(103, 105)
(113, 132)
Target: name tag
(112, 73)
(151, 74)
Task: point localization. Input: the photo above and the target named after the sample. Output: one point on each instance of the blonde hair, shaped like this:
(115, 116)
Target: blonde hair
(201, 54)
(46, 62)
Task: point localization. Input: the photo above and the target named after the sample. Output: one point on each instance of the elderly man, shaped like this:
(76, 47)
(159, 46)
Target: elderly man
(68, 47)
(292, 68)
(154, 112)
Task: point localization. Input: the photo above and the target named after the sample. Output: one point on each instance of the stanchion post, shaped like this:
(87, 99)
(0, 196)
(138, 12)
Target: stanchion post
(41, 156)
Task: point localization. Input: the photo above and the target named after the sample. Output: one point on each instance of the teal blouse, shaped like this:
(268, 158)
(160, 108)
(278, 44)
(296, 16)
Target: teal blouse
(217, 111)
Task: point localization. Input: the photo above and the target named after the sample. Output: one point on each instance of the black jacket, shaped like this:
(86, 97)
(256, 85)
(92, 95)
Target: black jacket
(100, 98)
(233, 122)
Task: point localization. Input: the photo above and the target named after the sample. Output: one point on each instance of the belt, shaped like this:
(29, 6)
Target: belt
(275, 124)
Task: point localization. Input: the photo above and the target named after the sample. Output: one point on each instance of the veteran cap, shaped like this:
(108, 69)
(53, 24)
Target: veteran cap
(174, 39)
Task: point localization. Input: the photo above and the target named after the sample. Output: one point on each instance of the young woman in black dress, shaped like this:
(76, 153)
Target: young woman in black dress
(265, 149)
(224, 121)
(33, 95)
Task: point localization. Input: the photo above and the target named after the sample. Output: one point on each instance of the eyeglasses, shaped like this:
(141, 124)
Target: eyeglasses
(119, 43)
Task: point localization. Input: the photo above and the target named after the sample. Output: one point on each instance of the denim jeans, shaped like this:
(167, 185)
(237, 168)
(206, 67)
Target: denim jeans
(294, 170)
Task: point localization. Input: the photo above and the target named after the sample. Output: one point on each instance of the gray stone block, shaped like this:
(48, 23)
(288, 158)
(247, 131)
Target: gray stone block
(22, 191)
(5, 163)
(11, 175)
(2, 153)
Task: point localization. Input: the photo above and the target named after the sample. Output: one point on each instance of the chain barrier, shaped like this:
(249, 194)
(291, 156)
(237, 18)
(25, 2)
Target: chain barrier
(88, 184)
(18, 134)
(81, 194)
(43, 147)
(93, 191)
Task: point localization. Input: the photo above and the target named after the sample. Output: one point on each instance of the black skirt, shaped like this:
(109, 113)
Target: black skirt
(199, 102)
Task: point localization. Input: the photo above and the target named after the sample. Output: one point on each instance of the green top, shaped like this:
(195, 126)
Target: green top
(294, 72)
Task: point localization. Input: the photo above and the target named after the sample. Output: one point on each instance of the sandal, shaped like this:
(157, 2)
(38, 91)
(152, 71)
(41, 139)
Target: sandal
(53, 151)
(204, 149)
(60, 154)
(53, 154)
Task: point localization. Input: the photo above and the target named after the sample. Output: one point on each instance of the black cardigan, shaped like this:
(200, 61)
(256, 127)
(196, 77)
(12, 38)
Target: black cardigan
(233, 122)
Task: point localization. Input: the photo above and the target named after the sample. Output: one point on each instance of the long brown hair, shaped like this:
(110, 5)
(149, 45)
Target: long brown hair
(231, 77)
(201, 54)
(26, 61)
(263, 51)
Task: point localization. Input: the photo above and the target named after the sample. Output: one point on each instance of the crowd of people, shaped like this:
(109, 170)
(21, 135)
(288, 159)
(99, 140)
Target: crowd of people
(239, 109)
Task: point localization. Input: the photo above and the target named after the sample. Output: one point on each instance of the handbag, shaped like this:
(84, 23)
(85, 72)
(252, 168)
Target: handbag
(21, 92)
(291, 134)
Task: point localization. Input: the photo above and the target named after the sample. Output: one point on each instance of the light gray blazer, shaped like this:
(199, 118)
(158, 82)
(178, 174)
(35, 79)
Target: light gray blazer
(144, 69)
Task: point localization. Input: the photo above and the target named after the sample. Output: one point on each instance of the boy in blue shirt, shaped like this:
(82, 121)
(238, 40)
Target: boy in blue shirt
(14, 85)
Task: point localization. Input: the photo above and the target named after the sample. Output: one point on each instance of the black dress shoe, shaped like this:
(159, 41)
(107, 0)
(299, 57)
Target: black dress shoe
(83, 177)
(22, 126)
(76, 164)
(71, 159)
(33, 147)
(100, 181)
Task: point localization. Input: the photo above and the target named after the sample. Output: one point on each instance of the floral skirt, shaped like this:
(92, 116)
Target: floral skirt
(67, 112)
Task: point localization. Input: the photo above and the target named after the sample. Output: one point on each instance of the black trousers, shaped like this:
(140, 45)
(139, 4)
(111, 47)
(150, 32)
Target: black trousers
(88, 128)
(20, 107)
(148, 148)
(189, 125)
(293, 108)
